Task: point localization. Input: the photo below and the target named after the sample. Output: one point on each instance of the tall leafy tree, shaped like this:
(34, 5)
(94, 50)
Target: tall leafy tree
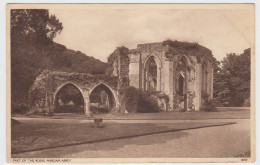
(32, 33)
(33, 26)
(232, 80)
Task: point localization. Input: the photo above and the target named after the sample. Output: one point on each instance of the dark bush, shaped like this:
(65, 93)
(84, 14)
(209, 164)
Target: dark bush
(147, 103)
(134, 100)
(209, 105)
(129, 98)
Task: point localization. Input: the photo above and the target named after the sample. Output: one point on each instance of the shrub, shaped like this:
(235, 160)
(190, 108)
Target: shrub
(209, 106)
(134, 100)
(147, 103)
(129, 98)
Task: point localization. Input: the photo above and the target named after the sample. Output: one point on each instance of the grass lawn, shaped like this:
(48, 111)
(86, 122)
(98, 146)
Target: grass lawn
(240, 114)
(231, 113)
(33, 135)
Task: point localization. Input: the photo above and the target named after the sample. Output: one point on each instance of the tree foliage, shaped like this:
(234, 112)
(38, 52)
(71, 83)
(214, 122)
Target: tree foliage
(32, 32)
(35, 26)
(232, 79)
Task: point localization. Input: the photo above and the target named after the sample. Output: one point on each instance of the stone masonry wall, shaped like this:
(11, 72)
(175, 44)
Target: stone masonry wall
(135, 76)
(123, 70)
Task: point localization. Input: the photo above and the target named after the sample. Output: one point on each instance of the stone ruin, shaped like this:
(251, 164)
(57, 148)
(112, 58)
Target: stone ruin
(182, 71)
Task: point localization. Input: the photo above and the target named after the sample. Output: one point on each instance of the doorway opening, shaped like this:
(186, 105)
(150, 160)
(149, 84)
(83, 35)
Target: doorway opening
(102, 99)
(69, 99)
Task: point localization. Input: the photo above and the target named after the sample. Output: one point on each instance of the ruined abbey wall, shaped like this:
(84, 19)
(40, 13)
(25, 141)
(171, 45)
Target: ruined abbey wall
(184, 72)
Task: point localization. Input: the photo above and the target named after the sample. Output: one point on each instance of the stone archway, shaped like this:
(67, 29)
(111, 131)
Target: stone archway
(43, 93)
(68, 98)
(112, 99)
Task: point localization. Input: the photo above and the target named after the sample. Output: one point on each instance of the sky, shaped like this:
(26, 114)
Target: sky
(97, 31)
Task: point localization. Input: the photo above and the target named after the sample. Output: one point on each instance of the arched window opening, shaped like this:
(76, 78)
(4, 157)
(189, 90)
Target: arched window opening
(181, 83)
(101, 99)
(150, 75)
(181, 78)
(69, 100)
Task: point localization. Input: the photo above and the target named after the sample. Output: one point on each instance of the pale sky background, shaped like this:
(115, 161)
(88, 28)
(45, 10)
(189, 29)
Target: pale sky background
(97, 32)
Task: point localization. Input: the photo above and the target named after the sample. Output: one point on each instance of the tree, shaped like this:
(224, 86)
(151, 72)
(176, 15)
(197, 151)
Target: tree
(232, 80)
(32, 33)
(33, 26)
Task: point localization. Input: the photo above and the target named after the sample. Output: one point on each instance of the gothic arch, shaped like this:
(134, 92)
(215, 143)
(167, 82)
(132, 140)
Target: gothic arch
(55, 101)
(157, 60)
(186, 59)
(182, 72)
(112, 95)
(63, 85)
(148, 77)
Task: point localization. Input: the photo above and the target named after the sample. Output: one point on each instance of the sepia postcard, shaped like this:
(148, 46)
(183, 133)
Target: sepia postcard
(130, 83)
